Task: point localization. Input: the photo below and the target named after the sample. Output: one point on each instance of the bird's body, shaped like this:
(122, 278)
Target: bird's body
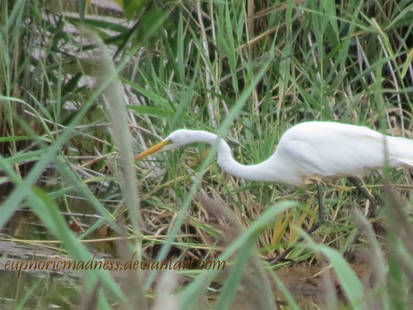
(330, 149)
(308, 150)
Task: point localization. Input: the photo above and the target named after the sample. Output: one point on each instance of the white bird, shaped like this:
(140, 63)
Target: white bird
(310, 150)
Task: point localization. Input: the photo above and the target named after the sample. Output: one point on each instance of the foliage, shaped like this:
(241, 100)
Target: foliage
(247, 70)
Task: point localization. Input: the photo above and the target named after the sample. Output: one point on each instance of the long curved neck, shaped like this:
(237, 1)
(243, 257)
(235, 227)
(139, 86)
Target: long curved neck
(267, 170)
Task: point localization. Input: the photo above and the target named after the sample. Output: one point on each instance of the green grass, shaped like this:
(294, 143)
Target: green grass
(72, 119)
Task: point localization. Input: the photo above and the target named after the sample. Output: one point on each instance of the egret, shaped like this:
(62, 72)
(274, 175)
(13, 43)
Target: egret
(307, 152)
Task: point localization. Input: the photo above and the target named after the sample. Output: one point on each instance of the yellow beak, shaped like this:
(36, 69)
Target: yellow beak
(153, 149)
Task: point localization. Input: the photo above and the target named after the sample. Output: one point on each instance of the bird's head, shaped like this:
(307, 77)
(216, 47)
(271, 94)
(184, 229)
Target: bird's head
(174, 140)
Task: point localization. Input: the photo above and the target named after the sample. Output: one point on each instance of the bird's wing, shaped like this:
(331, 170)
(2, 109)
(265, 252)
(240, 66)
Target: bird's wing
(332, 150)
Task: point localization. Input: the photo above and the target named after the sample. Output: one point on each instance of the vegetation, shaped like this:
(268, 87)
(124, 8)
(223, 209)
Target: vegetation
(83, 87)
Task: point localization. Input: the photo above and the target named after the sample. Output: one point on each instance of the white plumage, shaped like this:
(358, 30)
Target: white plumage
(307, 150)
